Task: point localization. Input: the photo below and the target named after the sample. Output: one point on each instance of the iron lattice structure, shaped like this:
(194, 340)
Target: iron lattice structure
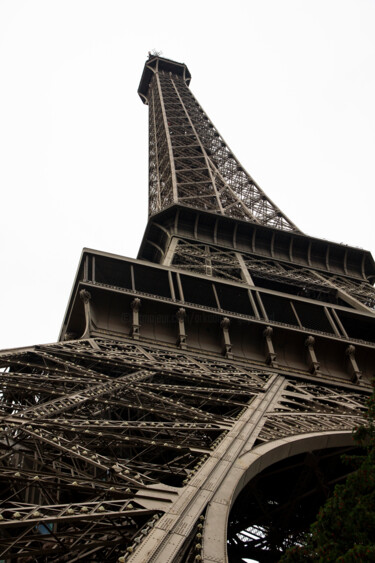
(229, 361)
(190, 162)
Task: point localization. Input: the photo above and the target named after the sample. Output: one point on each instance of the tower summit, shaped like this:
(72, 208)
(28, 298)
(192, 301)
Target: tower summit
(233, 356)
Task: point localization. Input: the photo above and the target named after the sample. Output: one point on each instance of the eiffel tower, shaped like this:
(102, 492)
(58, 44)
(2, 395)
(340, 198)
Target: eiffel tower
(199, 396)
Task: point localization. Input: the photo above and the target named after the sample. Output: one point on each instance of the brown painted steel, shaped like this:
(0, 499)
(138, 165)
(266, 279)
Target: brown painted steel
(234, 342)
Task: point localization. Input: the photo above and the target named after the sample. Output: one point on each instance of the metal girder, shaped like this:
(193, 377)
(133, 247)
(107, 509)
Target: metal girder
(105, 439)
(98, 424)
(224, 263)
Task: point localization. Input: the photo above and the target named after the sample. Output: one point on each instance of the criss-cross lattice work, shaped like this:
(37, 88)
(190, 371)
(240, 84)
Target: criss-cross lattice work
(363, 291)
(85, 427)
(224, 263)
(190, 163)
(303, 407)
(98, 437)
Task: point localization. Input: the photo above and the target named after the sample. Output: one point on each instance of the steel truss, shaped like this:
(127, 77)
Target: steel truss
(191, 164)
(99, 437)
(224, 263)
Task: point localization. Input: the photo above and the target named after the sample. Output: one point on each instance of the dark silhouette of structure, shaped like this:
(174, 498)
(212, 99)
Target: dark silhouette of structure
(229, 361)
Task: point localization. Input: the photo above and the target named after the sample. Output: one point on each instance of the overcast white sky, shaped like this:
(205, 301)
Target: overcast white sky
(289, 84)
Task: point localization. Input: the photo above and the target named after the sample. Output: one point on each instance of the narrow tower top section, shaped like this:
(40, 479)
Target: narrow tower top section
(189, 162)
(157, 64)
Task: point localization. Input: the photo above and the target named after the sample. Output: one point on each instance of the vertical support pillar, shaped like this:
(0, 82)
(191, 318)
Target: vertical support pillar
(352, 366)
(269, 349)
(135, 305)
(86, 268)
(311, 358)
(227, 346)
(181, 340)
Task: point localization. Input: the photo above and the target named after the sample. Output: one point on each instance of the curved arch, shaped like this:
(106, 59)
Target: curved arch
(243, 469)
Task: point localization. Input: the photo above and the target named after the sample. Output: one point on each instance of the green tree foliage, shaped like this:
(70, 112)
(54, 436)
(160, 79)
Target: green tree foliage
(344, 531)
